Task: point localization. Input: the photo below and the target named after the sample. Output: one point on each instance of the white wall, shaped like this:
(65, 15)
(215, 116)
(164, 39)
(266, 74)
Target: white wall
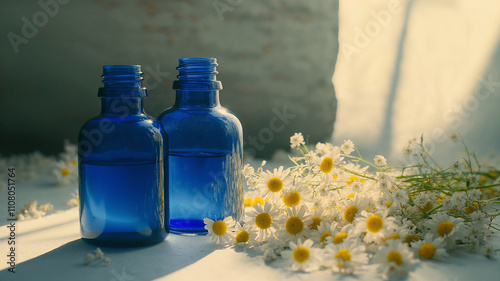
(407, 68)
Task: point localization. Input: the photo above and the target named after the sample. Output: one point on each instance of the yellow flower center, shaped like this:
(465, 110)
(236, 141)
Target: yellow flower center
(65, 171)
(242, 236)
(315, 223)
(395, 256)
(411, 238)
(301, 254)
(259, 200)
(324, 235)
(343, 254)
(374, 223)
(427, 251)
(351, 179)
(73, 162)
(248, 202)
(263, 220)
(472, 209)
(394, 236)
(219, 228)
(339, 238)
(326, 165)
(292, 199)
(427, 207)
(350, 212)
(335, 177)
(351, 195)
(275, 184)
(294, 225)
(445, 228)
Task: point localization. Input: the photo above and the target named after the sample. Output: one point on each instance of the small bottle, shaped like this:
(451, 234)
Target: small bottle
(205, 150)
(122, 185)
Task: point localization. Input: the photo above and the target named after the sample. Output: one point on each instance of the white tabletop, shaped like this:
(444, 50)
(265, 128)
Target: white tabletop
(50, 248)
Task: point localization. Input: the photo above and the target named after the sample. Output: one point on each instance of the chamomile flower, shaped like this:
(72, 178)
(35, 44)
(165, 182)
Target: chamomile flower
(219, 231)
(296, 195)
(408, 150)
(295, 224)
(65, 173)
(473, 179)
(328, 162)
(380, 160)
(474, 194)
(346, 257)
(347, 147)
(296, 140)
(456, 167)
(458, 200)
(339, 235)
(248, 171)
(253, 183)
(422, 199)
(323, 190)
(318, 215)
(244, 235)
(273, 183)
(383, 176)
(489, 251)
(398, 233)
(447, 227)
(399, 197)
(351, 207)
(323, 148)
(264, 219)
(394, 259)
(271, 250)
(303, 256)
(75, 199)
(430, 248)
(376, 226)
(323, 231)
(311, 157)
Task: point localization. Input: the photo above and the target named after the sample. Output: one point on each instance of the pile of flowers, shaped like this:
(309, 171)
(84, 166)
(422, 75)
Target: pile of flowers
(33, 166)
(335, 210)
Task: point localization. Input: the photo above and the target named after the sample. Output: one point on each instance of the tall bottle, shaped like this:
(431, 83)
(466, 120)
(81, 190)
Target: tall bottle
(122, 185)
(205, 150)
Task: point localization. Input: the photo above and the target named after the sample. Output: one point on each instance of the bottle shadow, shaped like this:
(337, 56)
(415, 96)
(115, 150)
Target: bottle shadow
(145, 263)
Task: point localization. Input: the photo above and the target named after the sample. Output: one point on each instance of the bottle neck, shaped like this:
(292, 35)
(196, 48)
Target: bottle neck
(122, 106)
(197, 99)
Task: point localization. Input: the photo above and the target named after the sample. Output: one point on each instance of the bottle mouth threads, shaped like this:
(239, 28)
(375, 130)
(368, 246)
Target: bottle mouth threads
(122, 81)
(197, 74)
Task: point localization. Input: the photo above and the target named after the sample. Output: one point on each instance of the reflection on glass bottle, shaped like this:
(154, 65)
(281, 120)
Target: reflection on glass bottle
(205, 150)
(122, 186)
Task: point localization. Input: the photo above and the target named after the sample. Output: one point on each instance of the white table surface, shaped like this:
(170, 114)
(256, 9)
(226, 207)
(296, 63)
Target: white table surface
(50, 248)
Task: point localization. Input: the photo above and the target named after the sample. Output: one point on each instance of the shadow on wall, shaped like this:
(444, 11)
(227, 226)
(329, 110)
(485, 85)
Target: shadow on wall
(476, 117)
(411, 68)
(276, 59)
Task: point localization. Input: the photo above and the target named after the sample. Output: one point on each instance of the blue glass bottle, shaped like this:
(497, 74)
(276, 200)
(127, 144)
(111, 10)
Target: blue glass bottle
(205, 150)
(122, 184)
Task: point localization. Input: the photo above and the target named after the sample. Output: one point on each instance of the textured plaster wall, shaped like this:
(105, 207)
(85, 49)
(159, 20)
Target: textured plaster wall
(276, 62)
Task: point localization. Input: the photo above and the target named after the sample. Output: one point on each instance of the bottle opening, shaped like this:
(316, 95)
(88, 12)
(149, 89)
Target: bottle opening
(122, 80)
(197, 74)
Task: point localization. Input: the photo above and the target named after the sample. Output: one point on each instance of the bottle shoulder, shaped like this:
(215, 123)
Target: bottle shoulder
(117, 120)
(132, 125)
(215, 113)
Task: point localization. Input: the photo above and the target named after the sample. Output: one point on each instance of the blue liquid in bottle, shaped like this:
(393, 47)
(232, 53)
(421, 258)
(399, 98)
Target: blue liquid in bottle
(205, 151)
(123, 197)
